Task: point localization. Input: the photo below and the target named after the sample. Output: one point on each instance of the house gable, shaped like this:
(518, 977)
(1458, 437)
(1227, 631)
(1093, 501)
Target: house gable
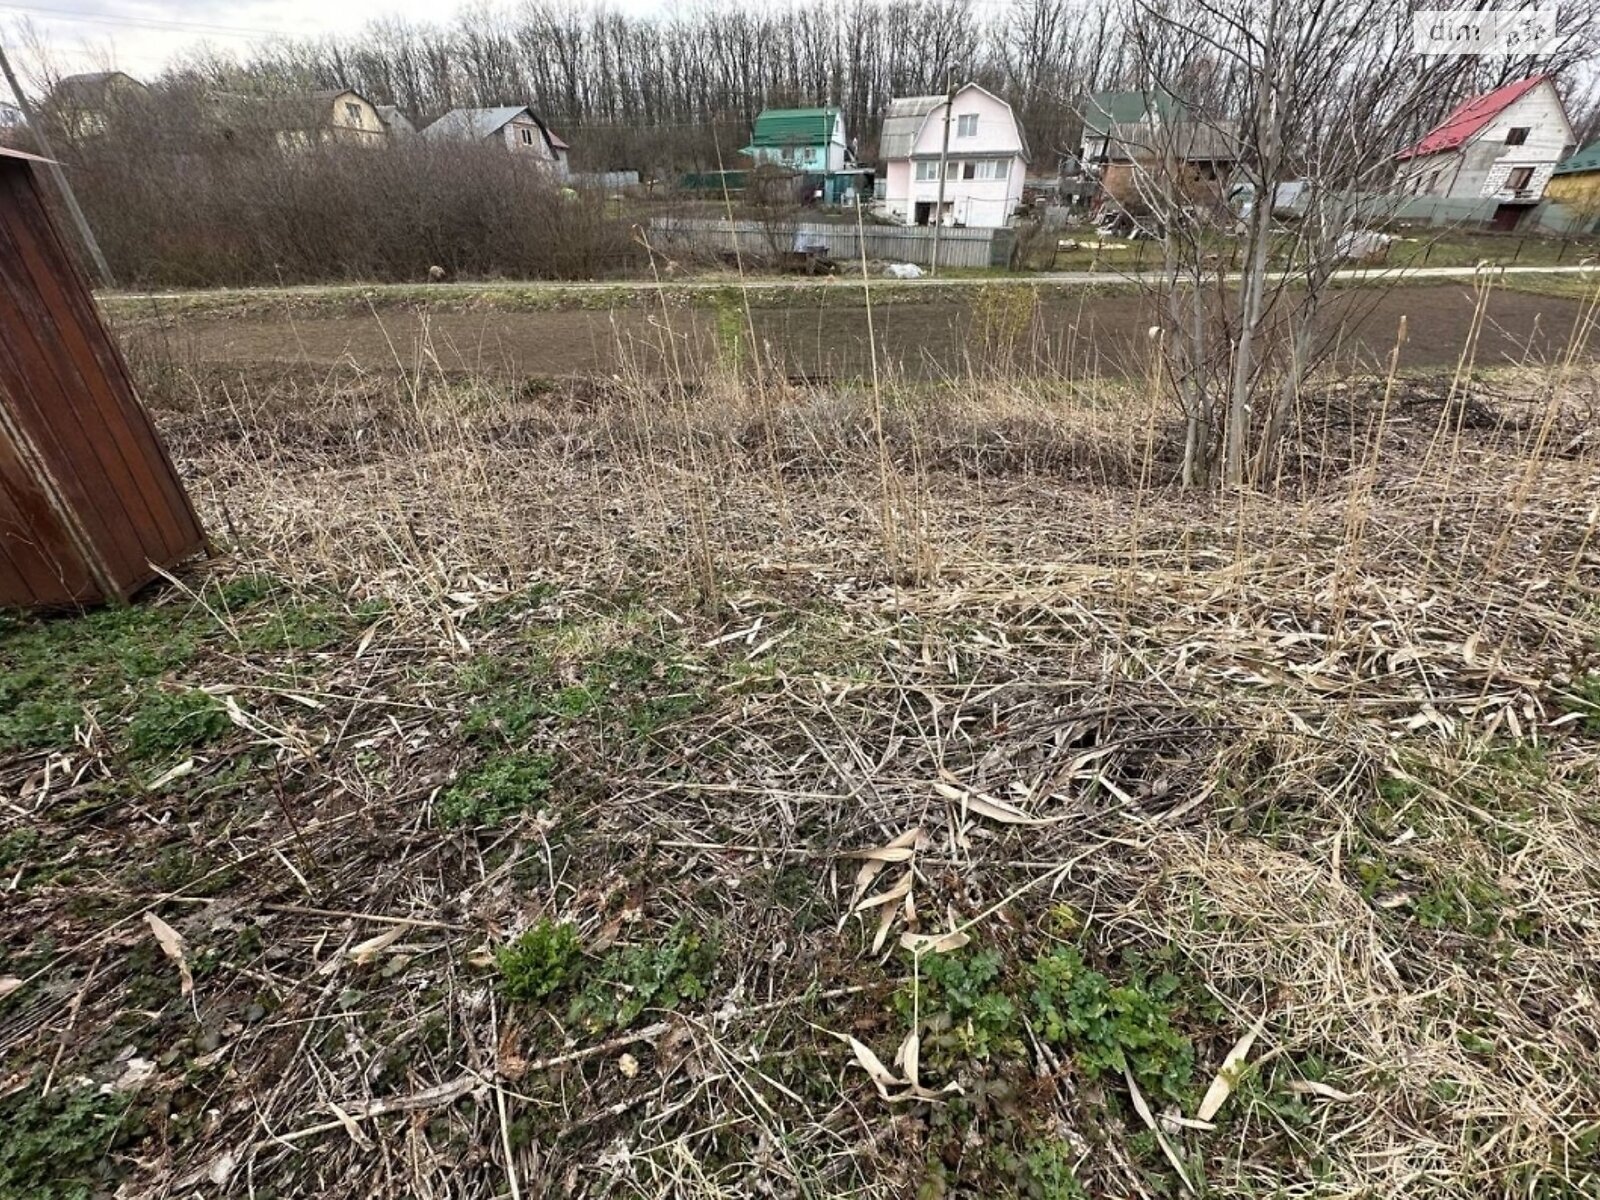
(1483, 116)
(1504, 145)
(990, 127)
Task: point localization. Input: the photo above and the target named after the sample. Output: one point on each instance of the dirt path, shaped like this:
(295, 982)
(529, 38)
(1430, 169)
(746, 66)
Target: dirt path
(1107, 333)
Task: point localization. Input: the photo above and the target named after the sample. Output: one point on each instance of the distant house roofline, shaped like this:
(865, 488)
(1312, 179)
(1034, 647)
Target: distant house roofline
(1581, 161)
(477, 124)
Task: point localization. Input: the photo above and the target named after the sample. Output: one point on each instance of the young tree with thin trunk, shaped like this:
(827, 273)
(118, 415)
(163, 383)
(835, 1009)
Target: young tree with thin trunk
(1324, 93)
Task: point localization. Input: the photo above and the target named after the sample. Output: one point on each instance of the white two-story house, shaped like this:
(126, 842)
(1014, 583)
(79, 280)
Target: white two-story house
(1501, 146)
(986, 159)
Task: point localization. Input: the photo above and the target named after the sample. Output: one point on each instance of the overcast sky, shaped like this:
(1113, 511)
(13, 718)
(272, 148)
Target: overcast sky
(141, 36)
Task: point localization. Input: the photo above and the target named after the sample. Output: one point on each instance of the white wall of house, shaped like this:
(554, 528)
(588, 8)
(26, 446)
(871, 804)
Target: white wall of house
(983, 174)
(836, 145)
(522, 135)
(1532, 134)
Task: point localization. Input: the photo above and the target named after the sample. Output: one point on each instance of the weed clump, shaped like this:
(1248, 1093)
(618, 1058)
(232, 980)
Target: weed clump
(963, 1006)
(540, 962)
(167, 722)
(495, 790)
(637, 978)
(1109, 1027)
(55, 1146)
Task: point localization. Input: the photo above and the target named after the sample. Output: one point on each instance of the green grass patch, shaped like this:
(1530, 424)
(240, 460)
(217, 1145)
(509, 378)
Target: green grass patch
(495, 790)
(56, 1147)
(52, 669)
(1584, 698)
(165, 722)
(1107, 1026)
(637, 687)
(55, 669)
(305, 625)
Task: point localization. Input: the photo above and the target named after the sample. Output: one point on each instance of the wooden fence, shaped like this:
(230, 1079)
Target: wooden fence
(958, 247)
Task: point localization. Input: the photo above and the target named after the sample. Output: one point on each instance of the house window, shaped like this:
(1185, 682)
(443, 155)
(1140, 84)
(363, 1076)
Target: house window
(1433, 180)
(952, 170)
(994, 168)
(967, 125)
(927, 171)
(1516, 136)
(527, 137)
(969, 170)
(1519, 178)
(352, 114)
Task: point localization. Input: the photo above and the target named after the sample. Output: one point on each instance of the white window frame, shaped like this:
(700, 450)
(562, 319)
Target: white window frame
(352, 113)
(967, 125)
(527, 136)
(927, 171)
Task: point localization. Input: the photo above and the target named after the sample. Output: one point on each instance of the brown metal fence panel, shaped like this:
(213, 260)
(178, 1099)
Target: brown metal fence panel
(90, 505)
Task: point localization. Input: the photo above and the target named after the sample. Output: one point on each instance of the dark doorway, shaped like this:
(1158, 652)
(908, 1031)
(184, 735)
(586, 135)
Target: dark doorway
(1507, 217)
(924, 212)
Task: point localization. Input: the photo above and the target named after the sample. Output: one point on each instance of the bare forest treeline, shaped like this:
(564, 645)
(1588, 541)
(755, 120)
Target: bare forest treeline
(675, 91)
(190, 184)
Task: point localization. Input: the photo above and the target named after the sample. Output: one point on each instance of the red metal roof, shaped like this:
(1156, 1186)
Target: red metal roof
(1467, 120)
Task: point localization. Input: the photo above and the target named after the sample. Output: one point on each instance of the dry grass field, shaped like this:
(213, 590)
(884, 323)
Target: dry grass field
(650, 786)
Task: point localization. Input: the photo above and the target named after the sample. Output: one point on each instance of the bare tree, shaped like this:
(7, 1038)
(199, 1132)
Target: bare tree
(1324, 93)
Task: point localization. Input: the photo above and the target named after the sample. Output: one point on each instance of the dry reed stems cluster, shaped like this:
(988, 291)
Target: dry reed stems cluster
(1323, 751)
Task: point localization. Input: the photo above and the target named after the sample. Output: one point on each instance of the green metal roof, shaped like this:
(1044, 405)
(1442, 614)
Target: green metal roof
(1587, 159)
(794, 127)
(1106, 109)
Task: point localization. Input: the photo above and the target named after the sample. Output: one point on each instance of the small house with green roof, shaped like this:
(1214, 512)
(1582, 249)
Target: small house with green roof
(1575, 185)
(809, 140)
(1105, 112)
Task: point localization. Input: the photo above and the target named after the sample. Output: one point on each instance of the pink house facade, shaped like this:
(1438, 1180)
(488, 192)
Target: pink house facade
(985, 163)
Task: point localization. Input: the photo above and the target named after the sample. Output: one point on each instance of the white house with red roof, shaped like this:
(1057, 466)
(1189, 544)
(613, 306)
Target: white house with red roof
(1499, 147)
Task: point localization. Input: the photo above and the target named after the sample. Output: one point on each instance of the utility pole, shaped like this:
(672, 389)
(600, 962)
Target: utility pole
(944, 157)
(78, 219)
